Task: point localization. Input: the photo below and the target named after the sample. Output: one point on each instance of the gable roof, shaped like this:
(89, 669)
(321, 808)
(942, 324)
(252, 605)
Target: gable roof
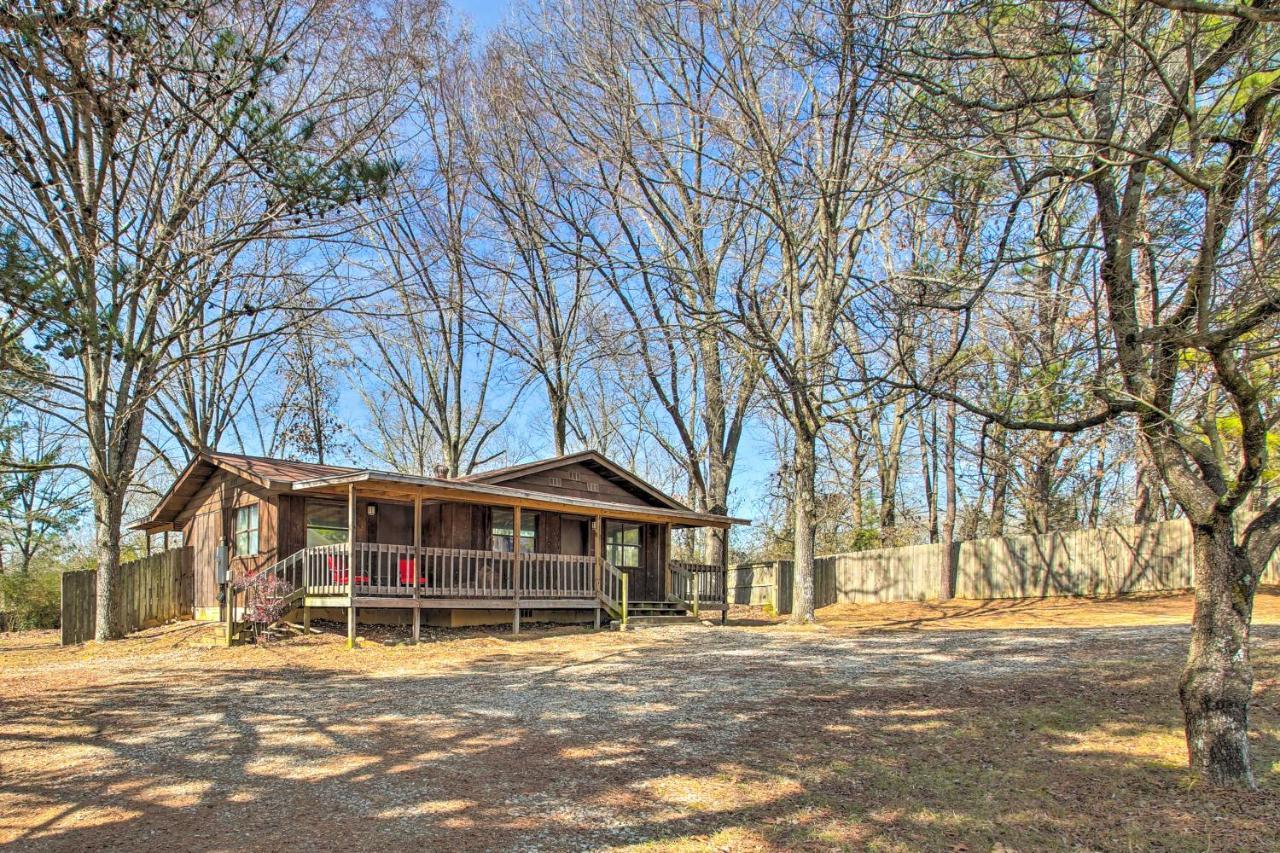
(277, 474)
(591, 459)
(284, 475)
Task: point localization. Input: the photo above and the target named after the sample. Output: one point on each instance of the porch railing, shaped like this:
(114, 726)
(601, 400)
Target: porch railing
(697, 582)
(557, 576)
(393, 571)
(327, 567)
(462, 573)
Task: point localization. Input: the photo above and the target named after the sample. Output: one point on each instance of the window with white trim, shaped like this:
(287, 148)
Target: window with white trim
(246, 527)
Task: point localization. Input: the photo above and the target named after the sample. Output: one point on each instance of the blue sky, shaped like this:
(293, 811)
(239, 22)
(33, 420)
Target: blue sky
(484, 14)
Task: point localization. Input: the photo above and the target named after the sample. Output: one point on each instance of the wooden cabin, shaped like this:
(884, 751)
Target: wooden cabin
(572, 537)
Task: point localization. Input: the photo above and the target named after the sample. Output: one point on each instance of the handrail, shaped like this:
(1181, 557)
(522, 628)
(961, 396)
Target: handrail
(613, 590)
(681, 585)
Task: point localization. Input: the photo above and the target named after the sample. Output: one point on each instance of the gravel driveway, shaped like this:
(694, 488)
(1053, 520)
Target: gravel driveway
(564, 742)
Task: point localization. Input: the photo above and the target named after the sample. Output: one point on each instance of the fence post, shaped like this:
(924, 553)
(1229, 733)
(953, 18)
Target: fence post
(625, 578)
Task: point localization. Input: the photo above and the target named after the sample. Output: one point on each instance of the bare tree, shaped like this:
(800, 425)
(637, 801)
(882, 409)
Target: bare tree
(428, 368)
(1158, 120)
(305, 417)
(802, 106)
(118, 123)
(624, 97)
(532, 244)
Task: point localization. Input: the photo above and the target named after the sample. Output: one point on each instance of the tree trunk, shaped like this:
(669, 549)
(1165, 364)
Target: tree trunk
(928, 459)
(108, 514)
(1218, 678)
(949, 521)
(717, 503)
(999, 484)
(804, 467)
(559, 418)
(857, 515)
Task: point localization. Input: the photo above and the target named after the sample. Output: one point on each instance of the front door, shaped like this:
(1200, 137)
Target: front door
(627, 547)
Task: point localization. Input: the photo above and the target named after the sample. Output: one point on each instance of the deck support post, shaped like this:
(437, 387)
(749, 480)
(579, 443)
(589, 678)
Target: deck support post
(417, 567)
(306, 619)
(351, 565)
(515, 568)
(597, 618)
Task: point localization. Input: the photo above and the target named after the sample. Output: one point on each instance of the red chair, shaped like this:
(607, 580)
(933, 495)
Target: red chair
(406, 572)
(339, 573)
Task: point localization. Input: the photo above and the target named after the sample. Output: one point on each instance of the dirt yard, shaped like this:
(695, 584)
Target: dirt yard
(969, 726)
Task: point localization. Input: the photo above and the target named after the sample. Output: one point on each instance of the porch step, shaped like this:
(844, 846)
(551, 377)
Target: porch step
(655, 608)
(215, 636)
(657, 619)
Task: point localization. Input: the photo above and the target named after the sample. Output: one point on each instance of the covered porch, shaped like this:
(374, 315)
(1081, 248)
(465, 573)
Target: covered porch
(610, 560)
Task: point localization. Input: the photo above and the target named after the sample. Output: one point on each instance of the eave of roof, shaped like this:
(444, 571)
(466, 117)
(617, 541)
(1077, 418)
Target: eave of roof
(476, 492)
(272, 474)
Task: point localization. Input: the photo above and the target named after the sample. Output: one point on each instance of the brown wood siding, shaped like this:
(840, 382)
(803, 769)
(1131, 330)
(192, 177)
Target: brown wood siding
(481, 528)
(455, 529)
(433, 526)
(548, 533)
(292, 524)
(392, 524)
(209, 519)
(203, 533)
(577, 481)
(575, 536)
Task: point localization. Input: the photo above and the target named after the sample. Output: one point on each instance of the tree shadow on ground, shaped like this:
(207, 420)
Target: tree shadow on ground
(726, 738)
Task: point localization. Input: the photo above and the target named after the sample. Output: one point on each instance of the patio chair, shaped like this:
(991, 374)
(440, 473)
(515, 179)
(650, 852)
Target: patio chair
(339, 573)
(406, 572)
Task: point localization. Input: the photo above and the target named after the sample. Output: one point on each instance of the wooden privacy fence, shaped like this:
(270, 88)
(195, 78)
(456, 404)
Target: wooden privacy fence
(152, 590)
(1107, 561)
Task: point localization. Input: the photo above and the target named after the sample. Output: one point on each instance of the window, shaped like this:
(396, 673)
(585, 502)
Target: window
(247, 530)
(326, 523)
(622, 544)
(503, 524)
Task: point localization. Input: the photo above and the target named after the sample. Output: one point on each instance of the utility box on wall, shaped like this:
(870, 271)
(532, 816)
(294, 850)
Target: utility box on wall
(221, 564)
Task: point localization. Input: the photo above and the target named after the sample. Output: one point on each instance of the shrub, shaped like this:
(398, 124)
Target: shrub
(265, 599)
(30, 600)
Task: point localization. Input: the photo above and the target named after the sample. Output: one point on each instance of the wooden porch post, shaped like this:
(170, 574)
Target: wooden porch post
(417, 566)
(351, 565)
(147, 535)
(724, 574)
(515, 568)
(166, 540)
(599, 537)
(664, 555)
